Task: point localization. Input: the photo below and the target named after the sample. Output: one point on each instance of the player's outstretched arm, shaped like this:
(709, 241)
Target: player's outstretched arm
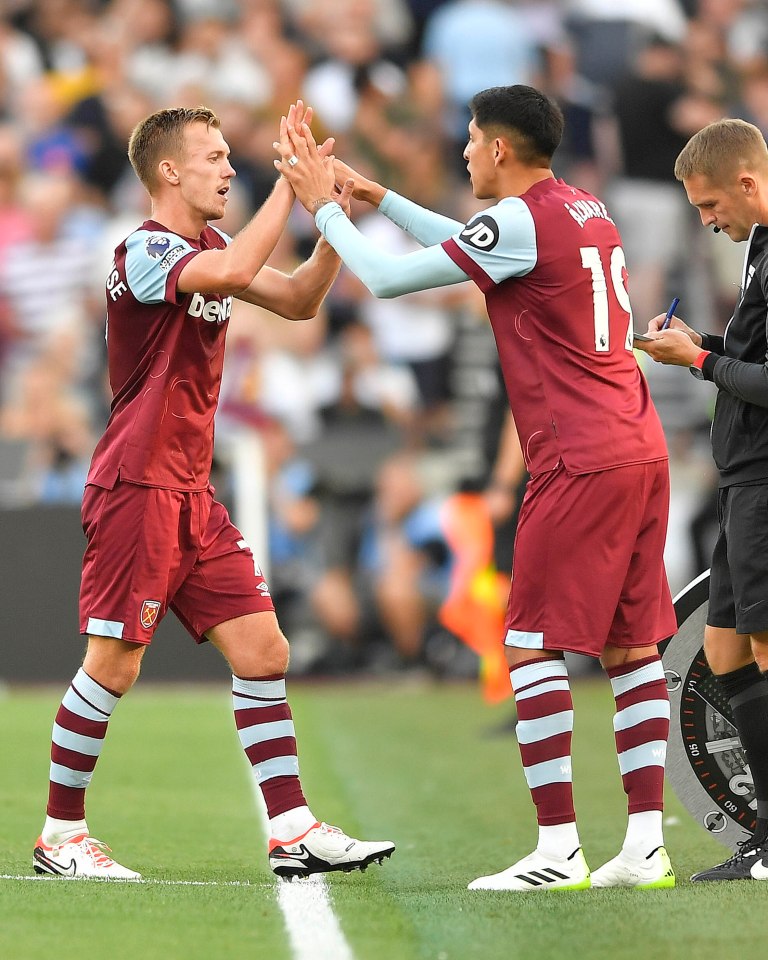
(386, 276)
(365, 189)
(425, 226)
(297, 296)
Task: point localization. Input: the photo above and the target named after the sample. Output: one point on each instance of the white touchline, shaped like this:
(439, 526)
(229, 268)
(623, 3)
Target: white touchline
(313, 928)
(48, 878)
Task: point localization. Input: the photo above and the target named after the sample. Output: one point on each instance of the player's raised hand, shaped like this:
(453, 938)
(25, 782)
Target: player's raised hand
(310, 174)
(298, 115)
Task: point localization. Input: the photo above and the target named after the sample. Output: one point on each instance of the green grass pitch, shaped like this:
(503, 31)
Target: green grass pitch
(413, 763)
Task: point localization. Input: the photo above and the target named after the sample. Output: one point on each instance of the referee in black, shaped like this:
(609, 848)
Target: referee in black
(724, 169)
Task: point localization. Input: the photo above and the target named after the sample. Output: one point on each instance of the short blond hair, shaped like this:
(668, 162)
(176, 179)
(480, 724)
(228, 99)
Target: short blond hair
(162, 134)
(721, 149)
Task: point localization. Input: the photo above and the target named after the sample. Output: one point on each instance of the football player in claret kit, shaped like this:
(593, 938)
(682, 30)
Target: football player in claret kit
(588, 573)
(156, 537)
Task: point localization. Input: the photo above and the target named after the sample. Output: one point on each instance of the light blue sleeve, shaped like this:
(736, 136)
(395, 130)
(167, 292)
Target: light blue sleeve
(425, 226)
(148, 258)
(386, 275)
(501, 240)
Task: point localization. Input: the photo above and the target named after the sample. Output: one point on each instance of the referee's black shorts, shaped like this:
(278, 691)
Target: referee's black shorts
(738, 584)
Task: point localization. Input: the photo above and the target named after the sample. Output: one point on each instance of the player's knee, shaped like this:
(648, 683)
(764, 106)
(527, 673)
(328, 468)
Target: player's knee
(276, 653)
(263, 654)
(115, 666)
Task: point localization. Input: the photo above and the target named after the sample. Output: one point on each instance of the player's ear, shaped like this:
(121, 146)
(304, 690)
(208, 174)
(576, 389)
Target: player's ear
(500, 149)
(168, 171)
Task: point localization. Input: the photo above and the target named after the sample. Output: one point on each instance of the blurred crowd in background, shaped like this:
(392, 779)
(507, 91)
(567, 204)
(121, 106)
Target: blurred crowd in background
(376, 417)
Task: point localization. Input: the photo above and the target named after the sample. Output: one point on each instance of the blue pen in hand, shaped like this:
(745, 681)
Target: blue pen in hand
(670, 313)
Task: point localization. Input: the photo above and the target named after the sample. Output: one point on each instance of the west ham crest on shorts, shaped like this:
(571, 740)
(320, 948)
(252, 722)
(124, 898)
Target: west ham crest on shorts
(705, 760)
(149, 612)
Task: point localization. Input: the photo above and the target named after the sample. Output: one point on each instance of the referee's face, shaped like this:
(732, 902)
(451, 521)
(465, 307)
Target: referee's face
(729, 205)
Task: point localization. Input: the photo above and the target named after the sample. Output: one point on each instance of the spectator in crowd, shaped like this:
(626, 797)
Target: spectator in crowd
(475, 44)
(655, 115)
(360, 429)
(47, 279)
(55, 422)
(608, 35)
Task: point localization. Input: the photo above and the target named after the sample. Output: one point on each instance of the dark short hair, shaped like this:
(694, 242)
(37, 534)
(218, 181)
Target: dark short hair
(160, 134)
(533, 121)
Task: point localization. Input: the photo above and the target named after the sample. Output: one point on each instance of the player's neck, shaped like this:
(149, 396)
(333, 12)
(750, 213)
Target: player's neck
(520, 180)
(177, 218)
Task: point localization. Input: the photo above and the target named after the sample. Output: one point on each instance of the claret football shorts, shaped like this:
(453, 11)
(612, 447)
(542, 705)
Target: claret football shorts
(589, 562)
(150, 549)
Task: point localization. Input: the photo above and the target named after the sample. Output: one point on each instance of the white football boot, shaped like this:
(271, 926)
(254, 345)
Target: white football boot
(653, 872)
(539, 872)
(81, 856)
(324, 848)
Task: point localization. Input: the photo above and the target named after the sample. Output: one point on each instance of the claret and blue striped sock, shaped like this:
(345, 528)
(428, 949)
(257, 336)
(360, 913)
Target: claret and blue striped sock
(641, 727)
(544, 732)
(265, 727)
(78, 736)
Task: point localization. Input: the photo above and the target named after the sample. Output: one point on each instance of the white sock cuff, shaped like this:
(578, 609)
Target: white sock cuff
(259, 689)
(93, 692)
(291, 824)
(55, 831)
(527, 673)
(649, 673)
(558, 841)
(645, 832)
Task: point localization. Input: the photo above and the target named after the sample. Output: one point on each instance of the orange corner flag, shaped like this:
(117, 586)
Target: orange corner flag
(475, 605)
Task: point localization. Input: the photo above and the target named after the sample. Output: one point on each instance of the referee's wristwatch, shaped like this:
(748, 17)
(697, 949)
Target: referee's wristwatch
(698, 363)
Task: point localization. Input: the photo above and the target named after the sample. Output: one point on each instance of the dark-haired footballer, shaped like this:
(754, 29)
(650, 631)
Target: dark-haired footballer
(588, 565)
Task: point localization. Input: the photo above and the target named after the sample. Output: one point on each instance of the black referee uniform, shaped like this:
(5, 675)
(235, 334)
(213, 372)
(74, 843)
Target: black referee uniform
(738, 365)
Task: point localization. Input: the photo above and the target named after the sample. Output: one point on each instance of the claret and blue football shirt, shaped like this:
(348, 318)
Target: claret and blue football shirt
(166, 355)
(552, 269)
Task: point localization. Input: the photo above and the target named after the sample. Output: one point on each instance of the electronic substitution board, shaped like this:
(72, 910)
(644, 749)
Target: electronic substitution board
(705, 760)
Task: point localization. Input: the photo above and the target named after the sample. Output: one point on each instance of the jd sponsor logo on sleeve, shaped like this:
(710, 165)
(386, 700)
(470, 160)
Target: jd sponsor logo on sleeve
(482, 232)
(149, 612)
(705, 759)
